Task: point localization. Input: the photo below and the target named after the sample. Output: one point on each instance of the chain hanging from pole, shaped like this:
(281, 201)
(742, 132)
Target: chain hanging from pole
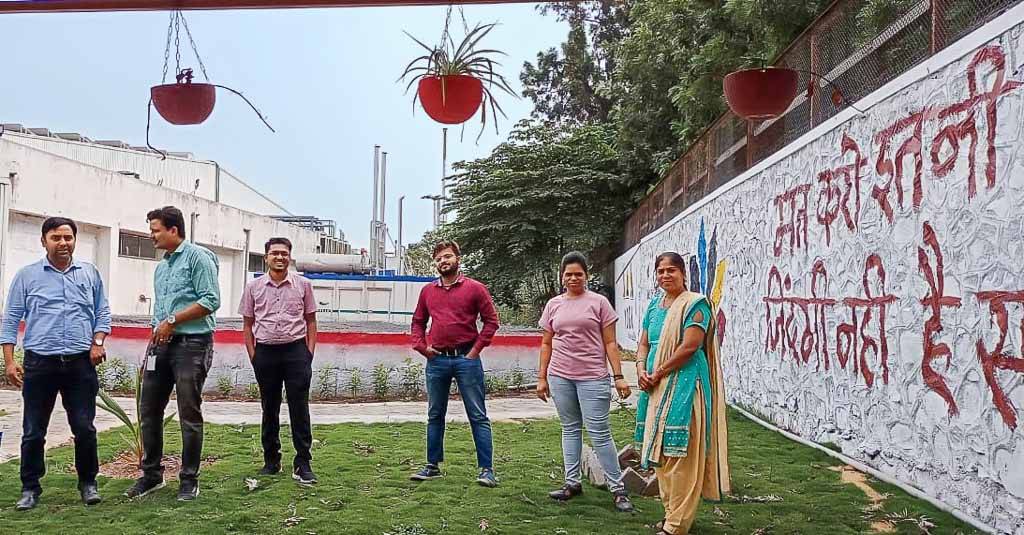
(185, 75)
(177, 20)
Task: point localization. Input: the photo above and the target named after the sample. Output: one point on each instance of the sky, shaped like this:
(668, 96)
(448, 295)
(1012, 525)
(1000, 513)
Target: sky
(325, 79)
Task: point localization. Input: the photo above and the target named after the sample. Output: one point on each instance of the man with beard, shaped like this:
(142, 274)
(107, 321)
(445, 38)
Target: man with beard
(67, 318)
(279, 323)
(187, 294)
(452, 348)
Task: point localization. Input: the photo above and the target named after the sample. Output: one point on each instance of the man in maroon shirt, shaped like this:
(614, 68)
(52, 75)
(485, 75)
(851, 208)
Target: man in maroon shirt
(452, 304)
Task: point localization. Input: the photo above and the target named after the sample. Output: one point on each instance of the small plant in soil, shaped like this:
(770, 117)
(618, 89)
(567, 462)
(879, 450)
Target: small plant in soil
(252, 391)
(381, 380)
(355, 382)
(133, 438)
(516, 377)
(411, 374)
(225, 385)
(326, 382)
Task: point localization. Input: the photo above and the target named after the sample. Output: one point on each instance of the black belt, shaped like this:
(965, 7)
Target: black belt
(63, 358)
(203, 337)
(457, 351)
(285, 344)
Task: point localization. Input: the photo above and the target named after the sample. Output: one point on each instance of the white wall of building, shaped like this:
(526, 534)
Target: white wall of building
(103, 203)
(896, 335)
(204, 179)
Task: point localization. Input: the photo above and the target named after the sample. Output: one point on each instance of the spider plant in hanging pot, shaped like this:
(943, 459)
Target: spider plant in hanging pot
(455, 80)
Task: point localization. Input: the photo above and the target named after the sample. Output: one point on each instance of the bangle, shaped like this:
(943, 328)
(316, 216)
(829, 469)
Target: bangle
(618, 376)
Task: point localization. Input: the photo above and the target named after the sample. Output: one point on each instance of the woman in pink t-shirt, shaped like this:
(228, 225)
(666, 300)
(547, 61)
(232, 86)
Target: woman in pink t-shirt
(579, 344)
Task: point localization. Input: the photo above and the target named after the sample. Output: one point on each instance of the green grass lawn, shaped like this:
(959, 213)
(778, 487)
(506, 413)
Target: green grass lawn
(364, 489)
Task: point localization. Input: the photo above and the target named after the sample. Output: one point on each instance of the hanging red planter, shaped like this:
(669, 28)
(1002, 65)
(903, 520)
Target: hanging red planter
(760, 94)
(450, 99)
(184, 103)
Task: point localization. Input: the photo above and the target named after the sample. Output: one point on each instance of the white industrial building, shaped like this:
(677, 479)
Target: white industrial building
(107, 187)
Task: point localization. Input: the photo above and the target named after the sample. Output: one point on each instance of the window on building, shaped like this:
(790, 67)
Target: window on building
(137, 246)
(256, 263)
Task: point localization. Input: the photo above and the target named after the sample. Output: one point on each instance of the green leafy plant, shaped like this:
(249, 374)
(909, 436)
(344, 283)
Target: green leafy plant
(355, 382)
(225, 385)
(381, 380)
(252, 391)
(133, 438)
(115, 375)
(326, 382)
(516, 377)
(449, 58)
(410, 378)
(495, 384)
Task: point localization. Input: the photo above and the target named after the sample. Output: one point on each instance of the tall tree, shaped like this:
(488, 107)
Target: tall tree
(549, 189)
(571, 83)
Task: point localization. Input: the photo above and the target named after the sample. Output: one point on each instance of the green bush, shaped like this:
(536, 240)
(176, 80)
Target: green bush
(410, 378)
(355, 382)
(381, 380)
(225, 385)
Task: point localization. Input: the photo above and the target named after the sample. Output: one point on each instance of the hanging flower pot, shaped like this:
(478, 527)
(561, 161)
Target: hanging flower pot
(450, 99)
(184, 103)
(451, 78)
(760, 94)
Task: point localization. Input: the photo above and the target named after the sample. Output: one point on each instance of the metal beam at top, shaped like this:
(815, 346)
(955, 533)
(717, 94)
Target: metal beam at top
(49, 6)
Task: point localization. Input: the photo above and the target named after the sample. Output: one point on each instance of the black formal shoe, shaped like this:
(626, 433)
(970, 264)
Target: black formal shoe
(188, 491)
(270, 469)
(567, 492)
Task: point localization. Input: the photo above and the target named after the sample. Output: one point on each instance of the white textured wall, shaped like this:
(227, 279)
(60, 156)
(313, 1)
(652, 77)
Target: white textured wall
(103, 203)
(897, 338)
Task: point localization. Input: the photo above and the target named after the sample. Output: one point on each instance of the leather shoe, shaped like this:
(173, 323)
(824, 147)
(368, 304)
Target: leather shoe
(90, 494)
(29, 500)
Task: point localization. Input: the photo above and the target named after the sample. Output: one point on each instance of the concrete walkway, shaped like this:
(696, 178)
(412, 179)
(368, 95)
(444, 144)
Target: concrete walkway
(237, 412)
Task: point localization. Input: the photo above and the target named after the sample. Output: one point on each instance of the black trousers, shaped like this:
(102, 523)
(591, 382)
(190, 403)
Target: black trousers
(289, 365)
(74, 377)
(181, 367)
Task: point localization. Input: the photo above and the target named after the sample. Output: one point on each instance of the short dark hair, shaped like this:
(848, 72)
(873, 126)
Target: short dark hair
(169, 216)
(574, 257)
(278, 241)
(53, 223)
(673, 258)
(446, 244)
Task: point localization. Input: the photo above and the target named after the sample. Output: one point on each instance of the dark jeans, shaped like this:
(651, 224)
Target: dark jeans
(469, 374)
(74, 377)
(290, 365)
(182, 366)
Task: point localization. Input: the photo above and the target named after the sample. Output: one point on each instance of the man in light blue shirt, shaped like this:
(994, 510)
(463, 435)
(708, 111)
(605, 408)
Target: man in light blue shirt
(67, 318)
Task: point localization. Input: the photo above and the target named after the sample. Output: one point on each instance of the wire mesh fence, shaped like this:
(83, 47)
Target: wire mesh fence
(853, 48)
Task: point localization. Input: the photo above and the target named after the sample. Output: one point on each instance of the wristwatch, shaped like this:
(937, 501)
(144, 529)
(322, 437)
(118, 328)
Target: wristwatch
(170, 319)
(98, 342)
(617, 377)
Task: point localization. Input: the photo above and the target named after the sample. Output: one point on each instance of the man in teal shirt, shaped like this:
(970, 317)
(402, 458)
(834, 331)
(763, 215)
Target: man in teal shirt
(181, 351)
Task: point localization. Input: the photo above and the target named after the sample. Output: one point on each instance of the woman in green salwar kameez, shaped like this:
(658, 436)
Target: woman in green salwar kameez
(681, 426)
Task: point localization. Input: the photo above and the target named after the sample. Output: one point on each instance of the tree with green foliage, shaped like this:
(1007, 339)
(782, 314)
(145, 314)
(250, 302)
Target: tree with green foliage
(571, 83)
(418, 259)
(549, 189)
(654, 68)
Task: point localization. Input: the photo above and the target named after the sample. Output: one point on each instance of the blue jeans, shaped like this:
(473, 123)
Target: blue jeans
(579, 403)
(469, 374)
(78, 384)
